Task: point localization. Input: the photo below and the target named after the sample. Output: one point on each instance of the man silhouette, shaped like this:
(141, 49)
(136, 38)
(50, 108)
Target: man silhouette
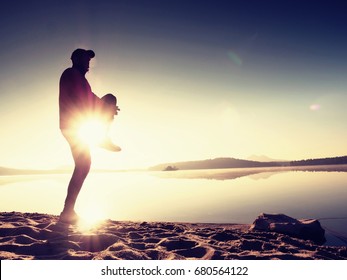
(77, 103)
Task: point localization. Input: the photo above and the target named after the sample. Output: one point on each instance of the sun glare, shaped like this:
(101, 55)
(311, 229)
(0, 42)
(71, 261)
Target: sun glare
(90, 219)
(92, 132)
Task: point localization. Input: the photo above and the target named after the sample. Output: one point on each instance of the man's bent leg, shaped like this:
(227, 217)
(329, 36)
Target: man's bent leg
(107, 115)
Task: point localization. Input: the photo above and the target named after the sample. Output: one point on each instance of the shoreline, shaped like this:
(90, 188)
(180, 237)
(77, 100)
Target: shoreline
(40, 236)
(242, 170)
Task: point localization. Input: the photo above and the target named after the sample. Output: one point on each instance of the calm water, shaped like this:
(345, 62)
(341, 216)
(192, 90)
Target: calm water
(217, 196)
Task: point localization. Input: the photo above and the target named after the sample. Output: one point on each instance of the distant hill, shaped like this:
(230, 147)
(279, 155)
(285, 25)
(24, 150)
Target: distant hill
(13, 171)
(240, 163)
(4, 171)
(215, 164)
(320, 161)
(263, 158)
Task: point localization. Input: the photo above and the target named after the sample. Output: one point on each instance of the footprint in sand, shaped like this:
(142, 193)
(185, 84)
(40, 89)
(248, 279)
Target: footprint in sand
(94, 243)
(197, 252)
(177, 244)
(224, 236)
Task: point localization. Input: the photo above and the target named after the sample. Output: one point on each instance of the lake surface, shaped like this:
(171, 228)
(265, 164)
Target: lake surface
(207, 196)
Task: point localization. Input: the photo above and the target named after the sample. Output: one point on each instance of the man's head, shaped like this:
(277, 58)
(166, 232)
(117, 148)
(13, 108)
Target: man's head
(80, 59)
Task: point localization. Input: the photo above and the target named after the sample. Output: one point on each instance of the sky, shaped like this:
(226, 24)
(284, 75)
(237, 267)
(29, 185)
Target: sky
(194, 79)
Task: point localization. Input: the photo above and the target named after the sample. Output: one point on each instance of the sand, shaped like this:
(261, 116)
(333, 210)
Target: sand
(30, 236)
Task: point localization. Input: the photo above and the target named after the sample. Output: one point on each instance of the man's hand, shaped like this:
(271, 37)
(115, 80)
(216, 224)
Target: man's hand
(116, 110)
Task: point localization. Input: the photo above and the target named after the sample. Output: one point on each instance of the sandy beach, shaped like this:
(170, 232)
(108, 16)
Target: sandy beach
(30, 236)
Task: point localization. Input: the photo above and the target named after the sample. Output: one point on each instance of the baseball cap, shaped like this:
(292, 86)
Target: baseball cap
(79, 53)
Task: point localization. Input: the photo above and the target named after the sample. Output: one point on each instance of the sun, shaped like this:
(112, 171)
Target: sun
(92, 132)
(90, 219)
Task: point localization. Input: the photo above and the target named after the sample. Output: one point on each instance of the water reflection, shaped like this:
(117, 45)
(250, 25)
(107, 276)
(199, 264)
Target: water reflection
(173, 196)
(255, 173)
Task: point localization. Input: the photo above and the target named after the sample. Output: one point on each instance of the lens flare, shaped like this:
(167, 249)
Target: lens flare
(235, 58)
(92, 132)
(315, 107)
(90, 219)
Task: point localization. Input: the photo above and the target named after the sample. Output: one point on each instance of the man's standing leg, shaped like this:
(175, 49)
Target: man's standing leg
(82, 158)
